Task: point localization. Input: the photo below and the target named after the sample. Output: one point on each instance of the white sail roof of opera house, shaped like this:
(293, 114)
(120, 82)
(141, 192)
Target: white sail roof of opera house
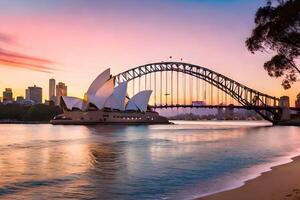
(98, 82)
(99, 98)
(72, 102)
(139, 101)
(117, 99)
(103, 93)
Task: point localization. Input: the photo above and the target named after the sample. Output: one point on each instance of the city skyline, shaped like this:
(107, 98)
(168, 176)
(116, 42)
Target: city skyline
(81, 40)
(35, 93)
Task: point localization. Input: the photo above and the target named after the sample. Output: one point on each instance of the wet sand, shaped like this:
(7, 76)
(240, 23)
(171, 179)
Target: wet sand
(281, 183)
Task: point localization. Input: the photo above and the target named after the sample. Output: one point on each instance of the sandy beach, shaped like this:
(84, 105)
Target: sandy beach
(281, 183)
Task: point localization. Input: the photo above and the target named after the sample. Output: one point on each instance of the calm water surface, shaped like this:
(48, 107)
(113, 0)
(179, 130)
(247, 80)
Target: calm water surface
(180, 161)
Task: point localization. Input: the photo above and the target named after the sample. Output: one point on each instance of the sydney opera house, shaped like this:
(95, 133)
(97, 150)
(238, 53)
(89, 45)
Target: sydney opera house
(105, 103)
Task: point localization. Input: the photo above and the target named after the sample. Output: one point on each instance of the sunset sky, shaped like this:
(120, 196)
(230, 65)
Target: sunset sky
(74, 40)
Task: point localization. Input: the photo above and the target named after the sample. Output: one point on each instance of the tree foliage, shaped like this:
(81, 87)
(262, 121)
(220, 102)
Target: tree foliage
(41, 112)
(35, 113)
(13, 111)
(277, 28)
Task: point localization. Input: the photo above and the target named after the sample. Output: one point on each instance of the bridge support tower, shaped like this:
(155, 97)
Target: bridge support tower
(284, 104)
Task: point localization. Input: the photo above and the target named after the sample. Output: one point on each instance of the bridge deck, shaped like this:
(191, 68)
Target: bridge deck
(222, 106)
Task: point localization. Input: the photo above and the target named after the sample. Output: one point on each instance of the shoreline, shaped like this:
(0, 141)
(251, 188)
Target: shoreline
(281, 182)
(24, 122)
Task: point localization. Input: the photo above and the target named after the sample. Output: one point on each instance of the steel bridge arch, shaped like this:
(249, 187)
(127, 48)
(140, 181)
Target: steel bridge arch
(246, 96)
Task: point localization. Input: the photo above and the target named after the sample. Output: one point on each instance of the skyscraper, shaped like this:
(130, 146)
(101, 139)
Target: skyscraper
(7, 95)
(61, 90)
(35, 94)
(52, 90)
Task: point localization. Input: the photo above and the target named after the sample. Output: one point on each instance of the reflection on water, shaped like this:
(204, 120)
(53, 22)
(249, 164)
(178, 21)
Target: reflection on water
(136, 162)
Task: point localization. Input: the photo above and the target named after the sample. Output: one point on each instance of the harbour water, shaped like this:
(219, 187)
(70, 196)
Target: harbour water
(181, 161)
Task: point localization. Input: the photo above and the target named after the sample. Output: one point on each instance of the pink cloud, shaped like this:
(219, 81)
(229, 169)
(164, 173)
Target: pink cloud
(13, 59)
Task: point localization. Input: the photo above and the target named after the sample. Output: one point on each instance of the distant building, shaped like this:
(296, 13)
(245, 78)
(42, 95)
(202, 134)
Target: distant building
(297, 103)
(221, 114)
(52, 96)
(49, 103)
(61, 90)
(198, 103)
(27, 95)
(20, 99)
(7, 95)
(229, 112)
(34, 94)
(28, 102)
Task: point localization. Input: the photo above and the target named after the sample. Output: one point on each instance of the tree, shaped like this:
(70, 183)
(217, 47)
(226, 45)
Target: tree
(277, 28)
(42, 113)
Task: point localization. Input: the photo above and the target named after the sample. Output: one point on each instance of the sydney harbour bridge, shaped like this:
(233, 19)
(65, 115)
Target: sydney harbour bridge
(178, 84)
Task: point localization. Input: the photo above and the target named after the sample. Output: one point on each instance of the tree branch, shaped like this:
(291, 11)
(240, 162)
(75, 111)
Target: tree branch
(294, 66)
